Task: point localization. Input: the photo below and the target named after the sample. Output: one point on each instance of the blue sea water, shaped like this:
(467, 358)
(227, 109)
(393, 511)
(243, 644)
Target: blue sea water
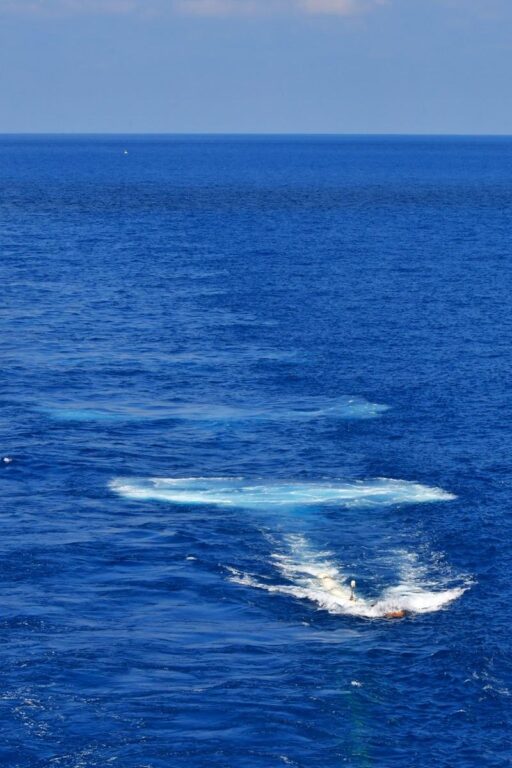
(239, 373)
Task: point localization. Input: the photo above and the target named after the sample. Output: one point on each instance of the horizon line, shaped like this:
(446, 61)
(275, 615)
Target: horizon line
(419, 134)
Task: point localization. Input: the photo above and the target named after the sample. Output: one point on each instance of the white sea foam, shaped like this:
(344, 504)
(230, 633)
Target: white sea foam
(354, 408)
(345, 408)
(313, 576)
(237, 492)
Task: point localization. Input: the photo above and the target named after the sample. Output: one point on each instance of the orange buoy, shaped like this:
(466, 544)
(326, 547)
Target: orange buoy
(395, 614)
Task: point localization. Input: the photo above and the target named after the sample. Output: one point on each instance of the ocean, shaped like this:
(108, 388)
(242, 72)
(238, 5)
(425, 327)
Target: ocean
(256, 441)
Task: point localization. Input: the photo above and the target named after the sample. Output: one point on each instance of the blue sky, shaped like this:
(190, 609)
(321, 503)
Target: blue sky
(336, 66)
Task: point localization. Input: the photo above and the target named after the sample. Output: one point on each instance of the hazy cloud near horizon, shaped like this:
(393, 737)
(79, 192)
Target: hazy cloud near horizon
(255, 66)
(189, 7)
(257, 7)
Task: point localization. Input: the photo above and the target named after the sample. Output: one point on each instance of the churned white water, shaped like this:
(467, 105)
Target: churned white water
(308, 574)
(315, 577)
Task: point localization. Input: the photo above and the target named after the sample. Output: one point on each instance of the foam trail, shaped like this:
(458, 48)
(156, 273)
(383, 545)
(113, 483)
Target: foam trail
(237, 492)
(188, 412)
(346, 408)
(83, 414)
(314, 577)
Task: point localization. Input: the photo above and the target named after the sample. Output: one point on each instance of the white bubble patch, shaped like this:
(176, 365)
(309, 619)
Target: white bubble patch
(238, 492)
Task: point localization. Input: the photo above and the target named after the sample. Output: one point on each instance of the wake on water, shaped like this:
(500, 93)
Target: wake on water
(344, 408)
(312, 575)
